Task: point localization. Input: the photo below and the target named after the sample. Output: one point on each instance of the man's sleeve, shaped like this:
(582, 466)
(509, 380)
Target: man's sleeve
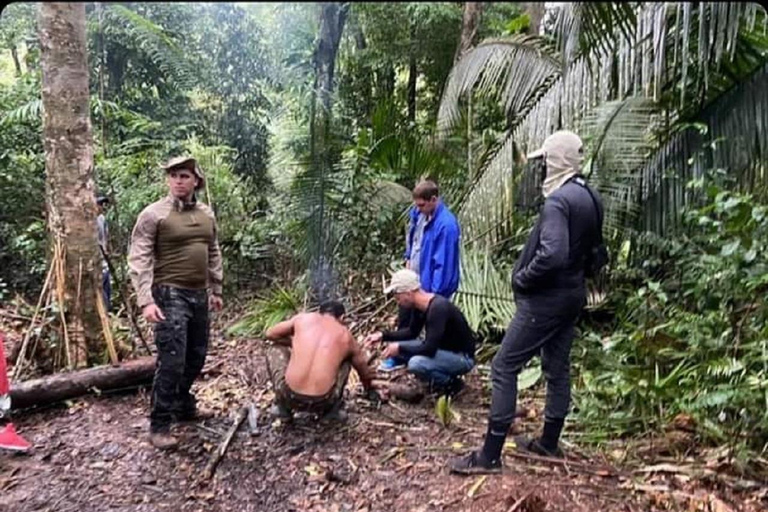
(435, 332)
(215, 268)
(552, 251)
(444, 259)
(411, 332)
(141, 258)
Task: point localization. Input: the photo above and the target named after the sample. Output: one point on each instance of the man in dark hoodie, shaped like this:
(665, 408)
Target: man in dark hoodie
(550, 292)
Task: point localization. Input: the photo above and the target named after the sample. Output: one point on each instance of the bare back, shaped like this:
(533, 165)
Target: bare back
(320, 344)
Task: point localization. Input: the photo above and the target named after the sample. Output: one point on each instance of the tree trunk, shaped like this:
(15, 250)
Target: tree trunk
(63, 386)
(332, 19)
(412, 75)
(68, 144)
(334, 15)
(469, 24)
(366, 107)
(16, 63)
(535, 11)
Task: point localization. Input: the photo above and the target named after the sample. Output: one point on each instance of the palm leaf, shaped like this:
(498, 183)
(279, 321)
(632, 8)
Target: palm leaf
(485, 292)
(155, 42)
(514, 70)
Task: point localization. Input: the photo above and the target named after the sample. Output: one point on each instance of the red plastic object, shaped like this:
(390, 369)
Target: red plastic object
(9, 439)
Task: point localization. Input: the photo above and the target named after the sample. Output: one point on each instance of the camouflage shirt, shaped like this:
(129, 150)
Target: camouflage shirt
(175, 244)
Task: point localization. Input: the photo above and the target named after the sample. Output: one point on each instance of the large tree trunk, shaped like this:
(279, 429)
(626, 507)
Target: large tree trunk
(63, 386)
(334, 15)
(67, 139)
(469, 24)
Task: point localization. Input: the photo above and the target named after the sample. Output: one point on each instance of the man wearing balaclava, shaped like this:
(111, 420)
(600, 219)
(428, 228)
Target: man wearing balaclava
(550, 292)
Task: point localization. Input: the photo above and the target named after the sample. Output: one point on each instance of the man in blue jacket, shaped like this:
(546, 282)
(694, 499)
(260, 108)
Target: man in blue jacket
(431, 251)
(550, 292)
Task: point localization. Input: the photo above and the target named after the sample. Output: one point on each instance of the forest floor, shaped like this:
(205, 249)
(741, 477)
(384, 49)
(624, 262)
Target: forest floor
(92, 454)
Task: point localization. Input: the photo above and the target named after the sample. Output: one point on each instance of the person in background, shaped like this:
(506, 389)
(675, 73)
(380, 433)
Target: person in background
(102, 202)
(432, 252)
(550, 293)
(176, 268)
(448, 349)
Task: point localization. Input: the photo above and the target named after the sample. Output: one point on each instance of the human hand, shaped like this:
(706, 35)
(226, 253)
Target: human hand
(152, 313)
(390, 350)
(215, 302)
(372, 338)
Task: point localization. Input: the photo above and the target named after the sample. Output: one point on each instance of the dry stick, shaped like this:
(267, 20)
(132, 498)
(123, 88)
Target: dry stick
(105, 327)
(14, 316)
(58, 259)
(20, 359)
(519, 502)
(579, 466)
(123, 288)
(210, 469)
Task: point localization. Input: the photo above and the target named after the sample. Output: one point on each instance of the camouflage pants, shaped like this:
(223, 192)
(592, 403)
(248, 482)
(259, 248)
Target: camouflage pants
(277, 362)
(182, 344)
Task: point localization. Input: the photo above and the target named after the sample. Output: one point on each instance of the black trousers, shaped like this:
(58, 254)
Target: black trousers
(535, 330)
(182, 344)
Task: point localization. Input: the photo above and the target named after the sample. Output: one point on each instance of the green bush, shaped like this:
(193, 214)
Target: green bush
(692, 340)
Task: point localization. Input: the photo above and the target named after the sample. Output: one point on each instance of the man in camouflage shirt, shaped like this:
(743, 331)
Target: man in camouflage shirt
(175, 267)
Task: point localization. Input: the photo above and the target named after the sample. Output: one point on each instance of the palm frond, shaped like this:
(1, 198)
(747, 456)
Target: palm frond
(27, 113)
(485, 292)
(619, 140)
(583, 26)
(513, 69)
(155, 42)
(635, 66)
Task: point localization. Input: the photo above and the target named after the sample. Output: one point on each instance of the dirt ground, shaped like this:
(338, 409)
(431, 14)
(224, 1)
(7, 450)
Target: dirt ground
(92, 454)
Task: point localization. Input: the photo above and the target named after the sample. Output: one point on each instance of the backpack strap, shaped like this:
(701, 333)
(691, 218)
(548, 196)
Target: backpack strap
(581, 182)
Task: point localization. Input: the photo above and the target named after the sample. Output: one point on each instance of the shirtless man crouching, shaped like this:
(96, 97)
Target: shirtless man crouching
(310, 361)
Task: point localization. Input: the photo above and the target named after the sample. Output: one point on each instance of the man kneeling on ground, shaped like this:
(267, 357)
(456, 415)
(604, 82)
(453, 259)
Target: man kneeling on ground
(310, 362)
(448, 349)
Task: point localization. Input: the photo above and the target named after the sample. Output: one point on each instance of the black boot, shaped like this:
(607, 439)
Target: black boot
(475, 464)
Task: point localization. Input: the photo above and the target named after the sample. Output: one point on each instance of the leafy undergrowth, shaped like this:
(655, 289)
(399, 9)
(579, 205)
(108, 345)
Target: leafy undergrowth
(93, 455)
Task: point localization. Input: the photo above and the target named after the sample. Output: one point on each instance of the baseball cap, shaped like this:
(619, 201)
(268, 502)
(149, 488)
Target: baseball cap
(404, 280)
(560, 146)
(186, 162)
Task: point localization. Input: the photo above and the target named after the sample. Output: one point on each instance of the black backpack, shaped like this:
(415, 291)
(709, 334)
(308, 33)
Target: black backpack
(597, 257)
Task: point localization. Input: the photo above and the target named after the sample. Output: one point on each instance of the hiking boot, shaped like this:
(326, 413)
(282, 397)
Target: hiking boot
(280, 412)
(163, 440)
(391, 364)
(534, 446)
(198, 414)
(475, 464)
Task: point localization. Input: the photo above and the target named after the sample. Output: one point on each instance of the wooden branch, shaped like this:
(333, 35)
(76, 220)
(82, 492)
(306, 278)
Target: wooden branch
(105, 327)
(20, 359)
(210, 469)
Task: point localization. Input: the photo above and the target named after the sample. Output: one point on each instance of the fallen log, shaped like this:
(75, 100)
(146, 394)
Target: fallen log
(66, 385)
